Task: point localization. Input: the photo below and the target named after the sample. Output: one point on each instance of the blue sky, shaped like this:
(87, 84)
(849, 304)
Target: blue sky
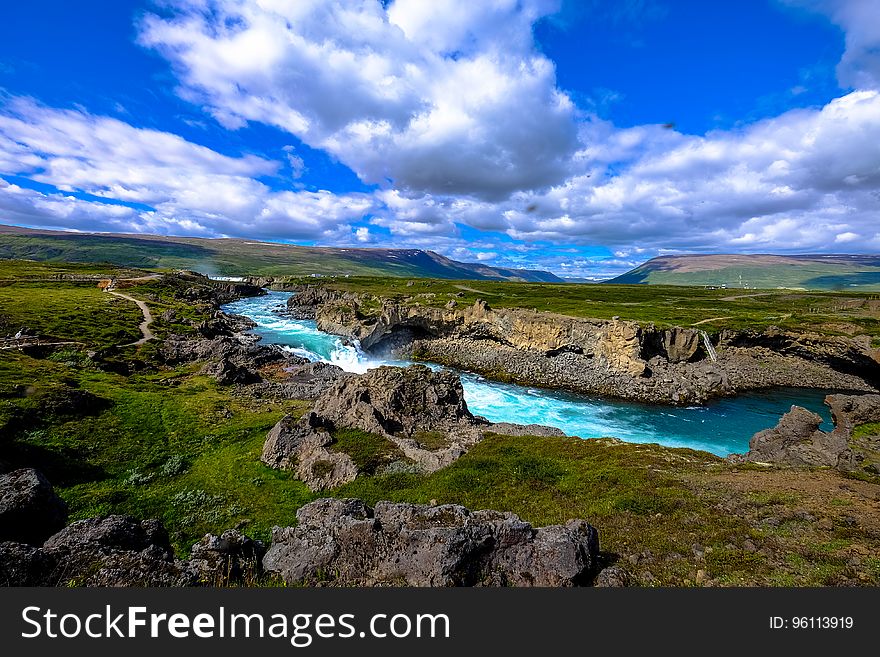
(581, 137)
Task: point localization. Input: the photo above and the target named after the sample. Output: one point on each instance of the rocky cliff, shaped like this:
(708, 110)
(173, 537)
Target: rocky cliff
(798, 441)
(422, 415)
(613, 358)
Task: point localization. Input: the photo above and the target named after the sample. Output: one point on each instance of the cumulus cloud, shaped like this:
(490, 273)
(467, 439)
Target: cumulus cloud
(447, 98)
(804, 181)
(859, 68)
(455, 115)
(186, 188)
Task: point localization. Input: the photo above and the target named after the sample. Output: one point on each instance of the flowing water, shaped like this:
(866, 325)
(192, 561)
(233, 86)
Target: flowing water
(721, 427)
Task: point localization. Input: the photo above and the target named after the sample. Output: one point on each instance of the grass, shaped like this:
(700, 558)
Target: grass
(866, 430)
(368, 451)
(158, 449)
(830, 313)
(168, 443)
(77, 312)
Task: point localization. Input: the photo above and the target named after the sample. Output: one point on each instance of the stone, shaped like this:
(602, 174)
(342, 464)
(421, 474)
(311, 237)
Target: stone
(301, 445)
(30, 510)
(680, 344)
(24, 565)
(228, 558)
(114, 551)
(421, 411)
(613, 577)
(226, 372)
(396, 401)
(345, 542)
(798, 441)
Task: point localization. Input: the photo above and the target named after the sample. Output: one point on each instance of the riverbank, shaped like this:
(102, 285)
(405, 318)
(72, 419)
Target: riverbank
(614, 357)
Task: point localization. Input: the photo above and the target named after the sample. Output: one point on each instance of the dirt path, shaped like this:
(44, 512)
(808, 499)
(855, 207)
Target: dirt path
(706, 321)
(476, 291)
(747, 296)
(144, 325)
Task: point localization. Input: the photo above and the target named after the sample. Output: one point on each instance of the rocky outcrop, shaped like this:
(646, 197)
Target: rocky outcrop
(345, 542)
(299, 381)
(798, 441)
(230, 557)
(398, 402)
(223, 324)
(227, 372)
(30, 511)
(303, 446)
(112, 551)
(613, 358)
(420, 412)
(230, 359)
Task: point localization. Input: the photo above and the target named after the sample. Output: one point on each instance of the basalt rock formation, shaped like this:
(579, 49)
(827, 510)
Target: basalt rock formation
(422, 413)
(349, 543)
(613, 358)
(798, 441)
(111, 551)
(30, 511)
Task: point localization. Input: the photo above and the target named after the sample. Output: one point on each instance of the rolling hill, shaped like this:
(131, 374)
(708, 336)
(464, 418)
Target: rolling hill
(235, 257)
(811, 272)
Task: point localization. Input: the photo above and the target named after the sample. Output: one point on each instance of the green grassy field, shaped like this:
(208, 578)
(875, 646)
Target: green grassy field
(854, 273)
(168, 443)
(75, 312)
(830, 313)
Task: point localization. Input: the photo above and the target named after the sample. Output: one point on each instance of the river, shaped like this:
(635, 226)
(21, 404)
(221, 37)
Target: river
(721, 427)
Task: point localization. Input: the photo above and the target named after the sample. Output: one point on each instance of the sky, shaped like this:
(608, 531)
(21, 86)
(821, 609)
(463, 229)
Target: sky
(582, 137)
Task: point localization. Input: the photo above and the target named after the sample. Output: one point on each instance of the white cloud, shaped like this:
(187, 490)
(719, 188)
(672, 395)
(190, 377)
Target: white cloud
(859, 68)
(189, 188)
(795, 182)
(450, 97)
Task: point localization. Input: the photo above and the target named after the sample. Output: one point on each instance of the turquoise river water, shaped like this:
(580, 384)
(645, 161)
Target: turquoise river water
(721, 427)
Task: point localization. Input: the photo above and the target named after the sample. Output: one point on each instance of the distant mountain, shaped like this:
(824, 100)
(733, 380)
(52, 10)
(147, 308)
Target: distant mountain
(811, 272)
(236, 257)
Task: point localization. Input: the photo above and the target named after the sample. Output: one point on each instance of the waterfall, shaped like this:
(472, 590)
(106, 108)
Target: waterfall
(709, 348)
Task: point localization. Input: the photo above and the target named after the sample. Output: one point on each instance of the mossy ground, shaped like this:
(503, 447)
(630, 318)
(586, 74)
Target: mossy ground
(168, 443)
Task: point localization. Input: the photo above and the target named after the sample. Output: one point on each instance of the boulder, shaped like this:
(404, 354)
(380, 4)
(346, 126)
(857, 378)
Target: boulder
(226, 372)
(24, 565)
(345, 542)
(302, 445)
(613, 577)
(399, 402)
(114, 551)
(30, 511)
(228, 558)
(797, 439)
